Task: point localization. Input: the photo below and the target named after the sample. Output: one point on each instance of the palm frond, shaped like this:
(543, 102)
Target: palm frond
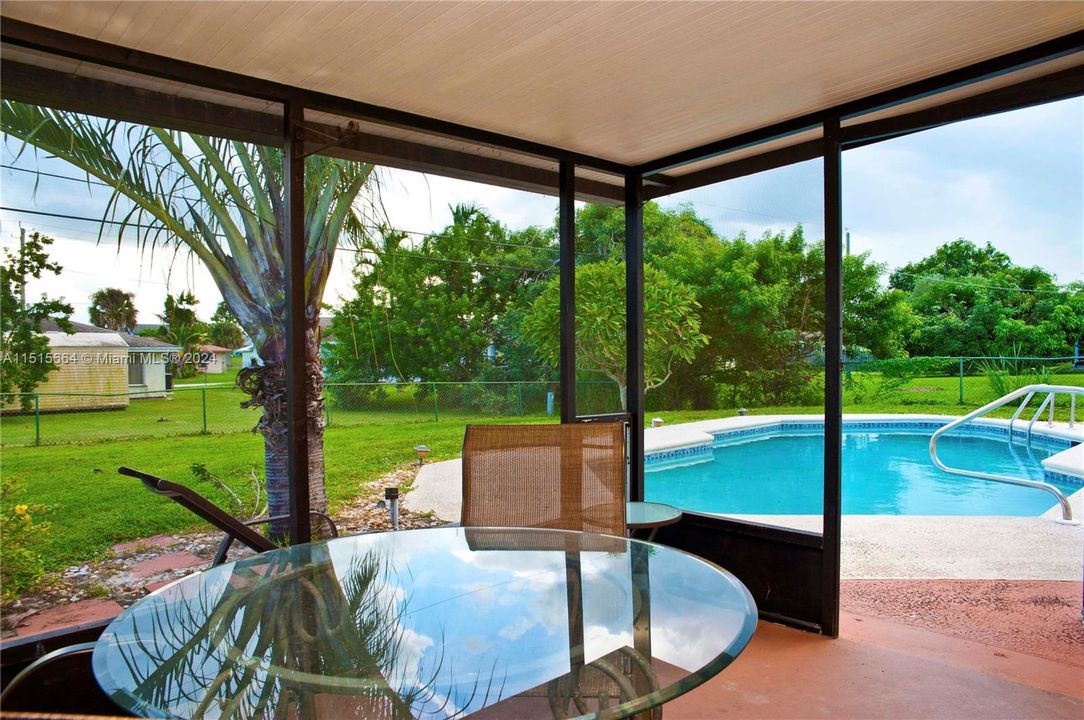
(222, 200)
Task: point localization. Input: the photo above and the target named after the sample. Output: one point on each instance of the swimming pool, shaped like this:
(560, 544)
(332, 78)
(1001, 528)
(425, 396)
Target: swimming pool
(885, 472)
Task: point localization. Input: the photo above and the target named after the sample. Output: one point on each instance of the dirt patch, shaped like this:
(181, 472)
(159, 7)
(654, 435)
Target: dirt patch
(141, 566)
(1038, 617)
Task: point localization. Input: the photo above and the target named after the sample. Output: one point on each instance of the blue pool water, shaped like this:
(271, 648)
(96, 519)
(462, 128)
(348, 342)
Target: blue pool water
(884, 473)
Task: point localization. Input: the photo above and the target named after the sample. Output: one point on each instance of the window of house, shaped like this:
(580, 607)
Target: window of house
(135, 369)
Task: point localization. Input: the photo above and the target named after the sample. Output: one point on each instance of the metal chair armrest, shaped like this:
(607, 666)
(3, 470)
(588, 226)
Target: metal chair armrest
(272, 518)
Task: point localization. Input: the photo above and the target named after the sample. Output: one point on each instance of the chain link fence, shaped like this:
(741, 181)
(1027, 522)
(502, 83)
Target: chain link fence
(951, 382)
(56, 418)
(949, 385)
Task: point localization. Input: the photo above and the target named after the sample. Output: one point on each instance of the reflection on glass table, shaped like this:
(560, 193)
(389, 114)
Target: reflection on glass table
(439, 623)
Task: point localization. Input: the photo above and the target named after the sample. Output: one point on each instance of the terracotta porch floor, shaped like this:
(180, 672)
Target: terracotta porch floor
(883, 669)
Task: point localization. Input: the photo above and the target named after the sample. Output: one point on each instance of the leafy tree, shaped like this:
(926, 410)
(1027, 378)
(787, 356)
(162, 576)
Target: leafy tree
(224, 330)
(958, 259)
(761, 302)
(113, 309)
(224, 202)
(437, 309)
(24, 349)
(671, 323)
(975, 301)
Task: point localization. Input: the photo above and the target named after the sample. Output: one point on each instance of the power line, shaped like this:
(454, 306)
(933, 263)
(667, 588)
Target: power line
(472, 263)
(55, 175)
(969, 284)
(64, 216)
(761, 214)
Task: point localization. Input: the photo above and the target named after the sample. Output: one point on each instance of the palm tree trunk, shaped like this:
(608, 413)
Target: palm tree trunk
(267, 387)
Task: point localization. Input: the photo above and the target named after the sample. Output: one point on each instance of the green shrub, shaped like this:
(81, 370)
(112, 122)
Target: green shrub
(21, 567)
(796, 386)
(1005, 376)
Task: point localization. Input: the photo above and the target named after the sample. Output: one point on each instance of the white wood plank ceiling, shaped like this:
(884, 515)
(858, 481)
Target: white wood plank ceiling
(625, 81)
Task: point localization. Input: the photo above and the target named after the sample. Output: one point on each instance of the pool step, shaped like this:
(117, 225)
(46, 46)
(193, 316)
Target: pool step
(1066, 466)
(667, 447)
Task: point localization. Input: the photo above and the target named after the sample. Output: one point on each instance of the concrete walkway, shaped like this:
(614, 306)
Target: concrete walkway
(882, 546)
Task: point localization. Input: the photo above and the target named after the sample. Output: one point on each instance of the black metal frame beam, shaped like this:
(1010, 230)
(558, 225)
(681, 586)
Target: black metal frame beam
(1037, 54)
(86, 49)
(634, 331)
(1060, 85)
(297, 371)
(566, 226)
(824, 587)
(799, 152)
(833, 376)
(1056, 86)
(52, 88)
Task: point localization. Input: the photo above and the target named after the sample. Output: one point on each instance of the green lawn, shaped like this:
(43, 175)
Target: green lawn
(94, 507)
(74, 471)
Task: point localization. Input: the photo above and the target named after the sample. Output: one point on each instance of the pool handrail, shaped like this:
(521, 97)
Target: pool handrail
(1029, 391)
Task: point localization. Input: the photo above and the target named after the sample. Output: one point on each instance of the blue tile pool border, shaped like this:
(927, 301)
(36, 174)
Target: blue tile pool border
(693, 454)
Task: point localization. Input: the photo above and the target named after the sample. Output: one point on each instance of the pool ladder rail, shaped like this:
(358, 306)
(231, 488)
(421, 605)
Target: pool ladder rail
(1028, 392)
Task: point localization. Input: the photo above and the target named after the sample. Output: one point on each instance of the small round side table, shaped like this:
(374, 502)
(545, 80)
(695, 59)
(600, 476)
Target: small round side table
(650, 515)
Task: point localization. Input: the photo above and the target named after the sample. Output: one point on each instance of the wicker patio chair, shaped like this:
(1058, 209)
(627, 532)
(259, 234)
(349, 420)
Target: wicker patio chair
(235, 529)
(569, 476)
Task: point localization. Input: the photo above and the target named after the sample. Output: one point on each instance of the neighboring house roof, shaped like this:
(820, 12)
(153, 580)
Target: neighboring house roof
(213, 349)
(140, 343)
(82, 336)
(85, 335)
(143, 327)
(50, 325)
(85, 340)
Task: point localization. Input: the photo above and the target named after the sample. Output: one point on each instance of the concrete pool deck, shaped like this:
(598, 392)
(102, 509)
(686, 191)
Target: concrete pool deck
(874, 546)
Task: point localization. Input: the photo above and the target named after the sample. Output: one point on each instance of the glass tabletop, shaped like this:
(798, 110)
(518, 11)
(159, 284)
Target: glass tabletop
(650, 514)
(444, 622)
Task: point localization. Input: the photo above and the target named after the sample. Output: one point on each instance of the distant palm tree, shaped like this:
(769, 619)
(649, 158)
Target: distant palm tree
(224, 201)
(113, 309)
(188, 338)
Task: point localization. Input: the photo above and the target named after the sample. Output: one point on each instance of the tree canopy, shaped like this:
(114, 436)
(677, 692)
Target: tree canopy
(974, 301)
(24, 348)
(470, 302)
(437, 308)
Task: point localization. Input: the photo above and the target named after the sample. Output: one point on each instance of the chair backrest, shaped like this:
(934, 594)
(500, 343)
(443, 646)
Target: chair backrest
(569, 476)
(60, 682)
(202, 507)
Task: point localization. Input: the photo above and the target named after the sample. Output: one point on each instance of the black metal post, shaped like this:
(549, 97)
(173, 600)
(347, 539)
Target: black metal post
(567, 228)
(634, 330)
(297, 428)
(833, 376)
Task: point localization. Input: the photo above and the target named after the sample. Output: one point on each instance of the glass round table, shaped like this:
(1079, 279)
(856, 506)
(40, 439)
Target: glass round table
(445, 622)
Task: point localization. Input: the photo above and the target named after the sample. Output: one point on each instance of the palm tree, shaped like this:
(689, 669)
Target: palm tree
(112, 308)
(187, 337)
(223, 201)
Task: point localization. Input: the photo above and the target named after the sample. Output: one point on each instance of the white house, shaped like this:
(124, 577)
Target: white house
(147, 360)
(213, 359)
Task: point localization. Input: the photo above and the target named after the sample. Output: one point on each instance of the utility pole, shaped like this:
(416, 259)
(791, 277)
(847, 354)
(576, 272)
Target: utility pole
(22, 285)
(848, 251)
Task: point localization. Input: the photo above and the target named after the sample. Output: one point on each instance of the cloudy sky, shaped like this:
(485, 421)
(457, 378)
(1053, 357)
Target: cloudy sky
(1015, 180)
